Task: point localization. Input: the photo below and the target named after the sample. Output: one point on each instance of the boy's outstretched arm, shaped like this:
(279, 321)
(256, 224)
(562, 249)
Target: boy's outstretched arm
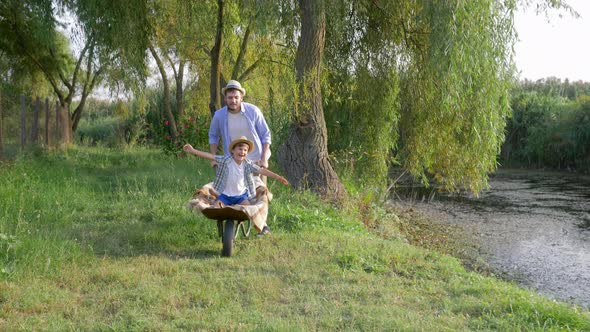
(269, 173)
(189, 149)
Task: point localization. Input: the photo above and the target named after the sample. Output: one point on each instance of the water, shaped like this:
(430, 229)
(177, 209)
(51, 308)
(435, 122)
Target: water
(532, 227)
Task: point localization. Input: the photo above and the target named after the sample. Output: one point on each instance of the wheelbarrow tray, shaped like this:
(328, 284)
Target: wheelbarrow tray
(224, 213)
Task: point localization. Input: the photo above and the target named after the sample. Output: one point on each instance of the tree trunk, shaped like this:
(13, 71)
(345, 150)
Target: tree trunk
(167, 108)
(65, 126)
(66, 101)
(215, 85)
(179, 78)
(180, 90)
(89, 85)
(77, 115)
(304, 155)
(242, 54)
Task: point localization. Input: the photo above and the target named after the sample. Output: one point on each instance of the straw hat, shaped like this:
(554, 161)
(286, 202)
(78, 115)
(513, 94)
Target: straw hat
(242, 139)
(232, 84)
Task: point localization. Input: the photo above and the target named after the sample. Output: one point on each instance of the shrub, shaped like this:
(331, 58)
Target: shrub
(108, 131)
(191, 129)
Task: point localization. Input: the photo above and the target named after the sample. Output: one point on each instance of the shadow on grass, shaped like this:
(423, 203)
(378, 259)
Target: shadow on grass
(133, 204)
(140, 234)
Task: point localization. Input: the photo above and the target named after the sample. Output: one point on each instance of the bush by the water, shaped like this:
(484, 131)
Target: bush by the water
(549, 128)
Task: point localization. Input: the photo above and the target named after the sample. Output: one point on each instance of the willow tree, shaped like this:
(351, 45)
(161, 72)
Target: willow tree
(106, 34)
(30, 34)
(424, 82)
(304, 154)
(364, 55)
(457, 90)
(180, 30)
(238, 26)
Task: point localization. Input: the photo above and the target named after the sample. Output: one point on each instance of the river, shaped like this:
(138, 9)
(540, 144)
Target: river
(531, 227)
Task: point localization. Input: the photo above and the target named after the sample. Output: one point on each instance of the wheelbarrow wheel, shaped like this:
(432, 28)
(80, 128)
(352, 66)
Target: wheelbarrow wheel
(228, 238)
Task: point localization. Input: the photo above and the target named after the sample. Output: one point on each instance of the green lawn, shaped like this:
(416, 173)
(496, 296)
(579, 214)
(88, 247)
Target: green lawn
(97, 239)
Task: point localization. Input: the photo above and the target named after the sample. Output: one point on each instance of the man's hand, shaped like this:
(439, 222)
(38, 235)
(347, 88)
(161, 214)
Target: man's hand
(213, 163)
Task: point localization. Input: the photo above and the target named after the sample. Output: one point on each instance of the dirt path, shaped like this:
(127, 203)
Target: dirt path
(533, 228)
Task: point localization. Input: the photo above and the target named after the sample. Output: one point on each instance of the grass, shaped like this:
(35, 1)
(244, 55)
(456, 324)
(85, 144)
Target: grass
(98, 239)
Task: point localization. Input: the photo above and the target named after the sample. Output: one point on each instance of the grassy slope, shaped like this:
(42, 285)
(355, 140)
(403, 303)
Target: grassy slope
(101, 240)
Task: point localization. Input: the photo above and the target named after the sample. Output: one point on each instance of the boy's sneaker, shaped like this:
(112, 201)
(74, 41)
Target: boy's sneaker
(265, 230)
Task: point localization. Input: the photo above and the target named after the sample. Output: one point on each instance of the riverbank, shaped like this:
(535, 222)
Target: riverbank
(531, 227)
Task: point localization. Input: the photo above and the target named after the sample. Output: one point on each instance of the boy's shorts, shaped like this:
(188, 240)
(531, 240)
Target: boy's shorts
(232, 200)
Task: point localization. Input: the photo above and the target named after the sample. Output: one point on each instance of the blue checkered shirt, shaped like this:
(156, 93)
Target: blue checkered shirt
(223, 171)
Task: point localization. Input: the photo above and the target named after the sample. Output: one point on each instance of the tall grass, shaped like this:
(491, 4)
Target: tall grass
(97, 239)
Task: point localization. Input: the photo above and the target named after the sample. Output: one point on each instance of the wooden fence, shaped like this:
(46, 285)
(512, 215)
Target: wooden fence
(33, 123)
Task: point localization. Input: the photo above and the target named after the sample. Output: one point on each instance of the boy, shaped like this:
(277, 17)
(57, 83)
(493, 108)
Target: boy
(234, 176)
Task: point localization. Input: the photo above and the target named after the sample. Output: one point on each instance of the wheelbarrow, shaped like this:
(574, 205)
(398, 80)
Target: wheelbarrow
(230, 222)
(233, 219)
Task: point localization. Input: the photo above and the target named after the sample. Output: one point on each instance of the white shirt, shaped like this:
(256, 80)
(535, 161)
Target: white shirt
(235, 185)
(238, 126)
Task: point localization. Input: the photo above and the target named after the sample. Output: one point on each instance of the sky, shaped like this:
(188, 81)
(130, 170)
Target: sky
(554, 46)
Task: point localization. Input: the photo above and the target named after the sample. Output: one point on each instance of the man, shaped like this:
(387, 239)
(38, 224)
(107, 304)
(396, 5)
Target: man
(238, 119)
